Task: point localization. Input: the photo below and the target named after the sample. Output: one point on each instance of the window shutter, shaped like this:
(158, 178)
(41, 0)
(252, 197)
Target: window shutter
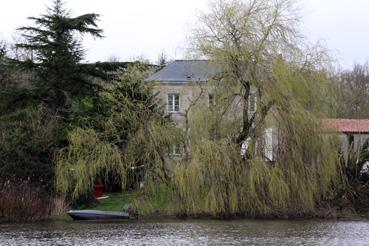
(170, 102)
(176, 102)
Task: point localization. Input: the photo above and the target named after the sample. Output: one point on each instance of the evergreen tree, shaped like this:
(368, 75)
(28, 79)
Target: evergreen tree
(2, 61)
(55, 43)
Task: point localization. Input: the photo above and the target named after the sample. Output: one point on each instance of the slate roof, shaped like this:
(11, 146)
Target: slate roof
(184, 71)
(349, 125)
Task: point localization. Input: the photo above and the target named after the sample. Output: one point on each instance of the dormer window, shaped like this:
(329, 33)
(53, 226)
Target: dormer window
(173, 103)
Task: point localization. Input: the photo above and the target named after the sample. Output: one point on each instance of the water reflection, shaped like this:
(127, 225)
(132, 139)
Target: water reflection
(240, 232)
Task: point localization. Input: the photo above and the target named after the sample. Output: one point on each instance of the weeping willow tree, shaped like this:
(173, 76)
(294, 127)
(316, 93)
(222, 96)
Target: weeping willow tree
(269, 80)
(84, 159)
(126, 139)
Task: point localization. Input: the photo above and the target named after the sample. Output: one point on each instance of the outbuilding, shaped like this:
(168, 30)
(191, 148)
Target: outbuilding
(352, 132)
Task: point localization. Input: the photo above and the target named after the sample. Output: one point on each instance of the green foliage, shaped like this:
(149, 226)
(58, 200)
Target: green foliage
(13, 94)
(86, 156)
(92, 130)
(28, 140)
(155, 199)
(257, 45)
(126, 139)
(219, 181)
(355, 193)
(115, 201)
(118, 134)
(55, 42)
(88, 112)
(108, 70)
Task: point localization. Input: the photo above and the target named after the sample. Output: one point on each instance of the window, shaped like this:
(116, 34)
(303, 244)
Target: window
(211, 99)
(173, 102)
(252, 103)
(175, 150)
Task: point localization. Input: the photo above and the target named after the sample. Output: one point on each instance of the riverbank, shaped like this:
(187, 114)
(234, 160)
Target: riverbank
(152, 203)
(161, 207)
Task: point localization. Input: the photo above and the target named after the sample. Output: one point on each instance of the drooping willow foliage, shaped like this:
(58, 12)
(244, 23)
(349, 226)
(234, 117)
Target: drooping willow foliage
(260, 51)
(126, 140)
(226, 171)
(84, 159)
(220, 181)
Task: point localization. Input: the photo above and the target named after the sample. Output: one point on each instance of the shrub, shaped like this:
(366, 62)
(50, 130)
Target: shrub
(28, 140)
(22, 201)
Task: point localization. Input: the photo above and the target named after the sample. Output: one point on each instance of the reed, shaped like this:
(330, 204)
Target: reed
(21, 201)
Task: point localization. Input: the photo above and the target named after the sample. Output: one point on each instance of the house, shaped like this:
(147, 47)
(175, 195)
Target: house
(185, 82)
(352, 133)
(180, 83)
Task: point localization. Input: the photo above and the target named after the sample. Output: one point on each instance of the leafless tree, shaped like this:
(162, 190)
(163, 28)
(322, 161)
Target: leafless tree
(354, 90)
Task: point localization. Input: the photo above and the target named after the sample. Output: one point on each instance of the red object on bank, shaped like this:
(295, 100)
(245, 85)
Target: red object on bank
(98, 190)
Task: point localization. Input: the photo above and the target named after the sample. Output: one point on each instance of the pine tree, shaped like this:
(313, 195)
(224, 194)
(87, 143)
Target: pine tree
(55, 44)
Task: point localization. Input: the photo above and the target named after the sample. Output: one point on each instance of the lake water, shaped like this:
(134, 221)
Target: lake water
(198, 232)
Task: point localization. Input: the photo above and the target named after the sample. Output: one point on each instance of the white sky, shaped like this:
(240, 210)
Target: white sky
(145, 28)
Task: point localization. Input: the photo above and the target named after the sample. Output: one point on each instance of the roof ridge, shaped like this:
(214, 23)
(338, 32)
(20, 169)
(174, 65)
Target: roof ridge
(179, 70)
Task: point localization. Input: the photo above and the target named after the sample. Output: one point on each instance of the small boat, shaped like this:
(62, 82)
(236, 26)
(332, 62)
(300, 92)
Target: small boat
(97, 215)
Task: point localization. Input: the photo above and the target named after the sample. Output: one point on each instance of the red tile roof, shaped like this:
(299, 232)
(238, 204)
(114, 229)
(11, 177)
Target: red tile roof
(349, 125)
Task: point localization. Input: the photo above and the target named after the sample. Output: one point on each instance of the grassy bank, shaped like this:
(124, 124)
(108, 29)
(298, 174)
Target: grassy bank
(160, 206)
(151, 202)
(157, 201)
(115, 201)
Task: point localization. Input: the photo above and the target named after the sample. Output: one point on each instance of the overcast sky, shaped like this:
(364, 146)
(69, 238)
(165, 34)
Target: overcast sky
(145, 28)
